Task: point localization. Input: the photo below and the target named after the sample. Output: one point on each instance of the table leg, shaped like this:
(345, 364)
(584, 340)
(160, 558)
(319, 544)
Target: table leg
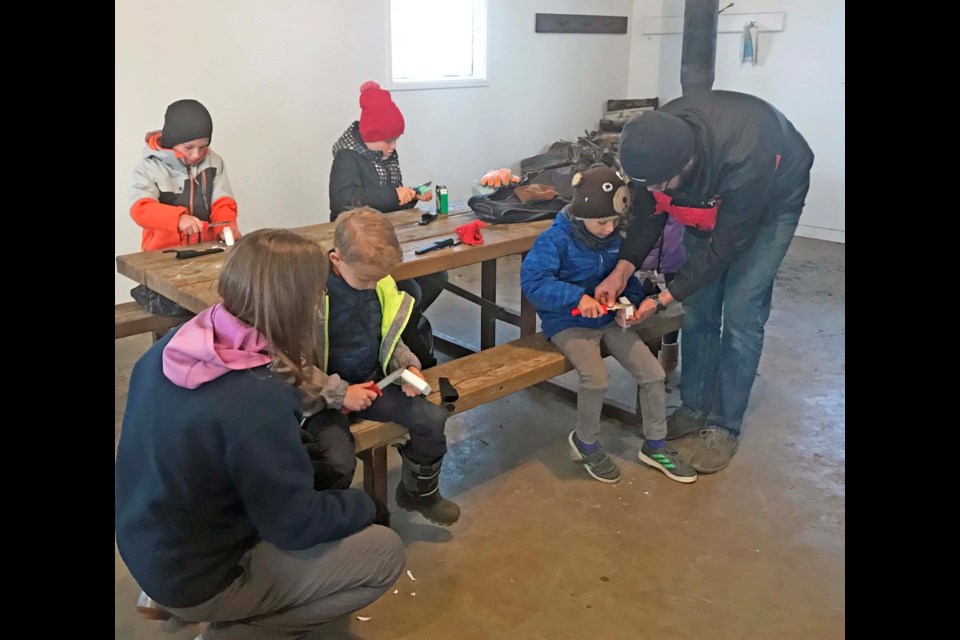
(528, 315)
(488, 290)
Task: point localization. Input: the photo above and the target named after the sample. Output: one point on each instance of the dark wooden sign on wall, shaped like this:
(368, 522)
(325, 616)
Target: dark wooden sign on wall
(578, 23)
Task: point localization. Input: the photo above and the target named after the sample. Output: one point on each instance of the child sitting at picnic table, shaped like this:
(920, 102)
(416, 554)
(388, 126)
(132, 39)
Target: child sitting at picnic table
(565, 263)
(180, 193)
(358, 344)
(366, 173)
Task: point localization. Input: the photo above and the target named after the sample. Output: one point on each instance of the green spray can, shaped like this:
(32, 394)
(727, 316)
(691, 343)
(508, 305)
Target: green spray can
(443, 204)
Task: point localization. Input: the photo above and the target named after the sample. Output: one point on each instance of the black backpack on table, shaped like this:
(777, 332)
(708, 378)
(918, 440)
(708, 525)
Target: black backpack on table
(503, 207)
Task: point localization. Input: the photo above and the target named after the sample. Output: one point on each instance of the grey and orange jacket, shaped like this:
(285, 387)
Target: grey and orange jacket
(164, 188)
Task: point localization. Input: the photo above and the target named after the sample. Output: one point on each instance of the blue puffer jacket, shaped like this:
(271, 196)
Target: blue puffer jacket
(560, 268)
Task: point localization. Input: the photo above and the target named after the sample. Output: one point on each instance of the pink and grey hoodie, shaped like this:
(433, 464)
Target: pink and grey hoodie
(211, 344)
(216, 342)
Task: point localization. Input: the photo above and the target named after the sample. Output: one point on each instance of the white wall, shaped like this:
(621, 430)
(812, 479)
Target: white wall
(644, 72)
(281, 80)
(800, 71)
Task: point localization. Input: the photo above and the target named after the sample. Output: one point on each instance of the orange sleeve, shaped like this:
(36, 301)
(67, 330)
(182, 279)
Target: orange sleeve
(224, 210)
(150, 214)
(159, 222)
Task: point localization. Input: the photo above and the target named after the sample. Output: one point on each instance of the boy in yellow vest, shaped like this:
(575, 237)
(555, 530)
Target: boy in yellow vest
(358, 342)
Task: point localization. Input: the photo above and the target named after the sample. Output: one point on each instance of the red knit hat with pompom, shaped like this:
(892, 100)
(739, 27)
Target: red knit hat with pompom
(380, 119)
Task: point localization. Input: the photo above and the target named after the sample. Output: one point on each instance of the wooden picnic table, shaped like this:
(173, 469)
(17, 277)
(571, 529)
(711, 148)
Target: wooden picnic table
(192, 283)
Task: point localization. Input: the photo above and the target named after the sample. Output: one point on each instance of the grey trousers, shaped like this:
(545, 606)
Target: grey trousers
(287, 594)
(582, 348)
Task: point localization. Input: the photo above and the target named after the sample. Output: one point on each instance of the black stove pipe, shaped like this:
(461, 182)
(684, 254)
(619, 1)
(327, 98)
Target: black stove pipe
(699, 57)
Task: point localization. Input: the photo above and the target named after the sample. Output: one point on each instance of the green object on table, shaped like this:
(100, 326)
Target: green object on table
(443, 204)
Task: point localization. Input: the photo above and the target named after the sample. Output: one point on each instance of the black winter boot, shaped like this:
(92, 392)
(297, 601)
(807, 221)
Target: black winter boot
(419, 490)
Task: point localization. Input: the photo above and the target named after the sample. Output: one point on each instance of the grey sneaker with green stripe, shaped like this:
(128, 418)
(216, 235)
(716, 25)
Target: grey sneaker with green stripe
(597, 463)
(668, 461)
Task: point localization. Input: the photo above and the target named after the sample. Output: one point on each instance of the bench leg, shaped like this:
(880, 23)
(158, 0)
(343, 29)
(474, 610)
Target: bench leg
(375, 473)
(528, 317)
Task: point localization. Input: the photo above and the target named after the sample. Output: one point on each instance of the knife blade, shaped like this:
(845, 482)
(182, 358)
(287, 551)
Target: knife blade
(390, 378)
(209, 225)
(421, 188)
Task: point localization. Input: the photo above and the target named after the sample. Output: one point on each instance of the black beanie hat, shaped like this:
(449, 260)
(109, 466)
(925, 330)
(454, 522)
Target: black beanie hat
(655, 146)
(184, 121)
(599, 192)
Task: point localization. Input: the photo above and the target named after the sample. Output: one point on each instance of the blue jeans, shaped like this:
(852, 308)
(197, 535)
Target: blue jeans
(723, 323)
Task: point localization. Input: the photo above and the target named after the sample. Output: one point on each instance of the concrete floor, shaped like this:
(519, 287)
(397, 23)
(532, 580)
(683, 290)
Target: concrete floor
(542, 551)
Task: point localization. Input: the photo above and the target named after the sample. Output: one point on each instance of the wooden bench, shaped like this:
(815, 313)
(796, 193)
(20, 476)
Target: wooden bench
(131, 319)
(480, 378)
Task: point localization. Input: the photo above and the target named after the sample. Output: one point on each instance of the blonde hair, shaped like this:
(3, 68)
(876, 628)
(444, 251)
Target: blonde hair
(364, 236)
(274, 280)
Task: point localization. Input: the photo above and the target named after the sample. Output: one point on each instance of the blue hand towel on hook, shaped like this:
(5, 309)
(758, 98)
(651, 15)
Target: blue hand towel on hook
(749, 49)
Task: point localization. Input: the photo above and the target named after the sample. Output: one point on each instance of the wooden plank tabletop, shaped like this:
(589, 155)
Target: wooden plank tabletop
(192, 283)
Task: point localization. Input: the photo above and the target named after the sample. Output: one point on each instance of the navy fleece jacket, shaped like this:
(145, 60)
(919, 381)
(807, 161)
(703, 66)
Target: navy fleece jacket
(203, 474)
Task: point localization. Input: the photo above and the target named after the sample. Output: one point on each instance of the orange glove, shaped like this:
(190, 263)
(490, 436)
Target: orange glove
(498, 178)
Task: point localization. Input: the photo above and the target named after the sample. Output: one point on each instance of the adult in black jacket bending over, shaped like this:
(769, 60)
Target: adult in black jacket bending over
(735, 172)
(366, 173)
(216, 514)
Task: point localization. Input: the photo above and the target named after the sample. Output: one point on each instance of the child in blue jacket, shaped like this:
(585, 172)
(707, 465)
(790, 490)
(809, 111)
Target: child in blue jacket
(569, 259)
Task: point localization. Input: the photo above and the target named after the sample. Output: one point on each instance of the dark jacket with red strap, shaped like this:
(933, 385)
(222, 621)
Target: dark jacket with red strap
(751, 164)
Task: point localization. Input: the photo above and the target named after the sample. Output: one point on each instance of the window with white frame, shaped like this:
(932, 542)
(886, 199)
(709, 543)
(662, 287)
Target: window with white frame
(437, 43)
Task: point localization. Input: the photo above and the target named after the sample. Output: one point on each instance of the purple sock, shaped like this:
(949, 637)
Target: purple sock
(657, 444)
(587, 448)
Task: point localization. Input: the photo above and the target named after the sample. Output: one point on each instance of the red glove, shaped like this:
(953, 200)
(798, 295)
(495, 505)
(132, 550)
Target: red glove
(470, 233)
